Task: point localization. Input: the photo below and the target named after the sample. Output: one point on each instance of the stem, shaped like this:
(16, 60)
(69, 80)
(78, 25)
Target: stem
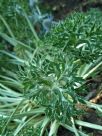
(92, 70)
(7, 26)
(54, 128)
(44, 125)
(31, 27)
(72, 130)
(3, 131)
(89, 125)
(73, 125)
(93, 105)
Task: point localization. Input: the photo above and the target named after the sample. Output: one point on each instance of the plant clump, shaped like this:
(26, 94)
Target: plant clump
(44, 89)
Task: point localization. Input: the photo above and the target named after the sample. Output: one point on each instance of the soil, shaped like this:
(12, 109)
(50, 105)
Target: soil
(61, 8)
(64, 132)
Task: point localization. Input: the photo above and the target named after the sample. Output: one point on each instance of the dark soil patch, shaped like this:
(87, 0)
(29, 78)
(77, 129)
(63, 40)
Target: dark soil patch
(64, 132)
(61, 8)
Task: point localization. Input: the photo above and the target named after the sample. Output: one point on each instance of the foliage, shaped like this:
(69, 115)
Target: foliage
(79, 34)
(12, 11)
(41, 91)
